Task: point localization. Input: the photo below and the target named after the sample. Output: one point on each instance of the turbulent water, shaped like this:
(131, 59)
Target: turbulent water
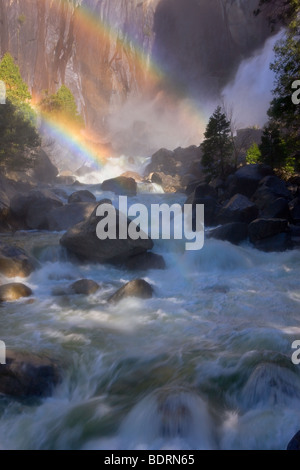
(205, 364)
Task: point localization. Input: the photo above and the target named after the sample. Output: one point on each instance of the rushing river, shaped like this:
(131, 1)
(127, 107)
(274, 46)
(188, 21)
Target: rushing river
(205, 364)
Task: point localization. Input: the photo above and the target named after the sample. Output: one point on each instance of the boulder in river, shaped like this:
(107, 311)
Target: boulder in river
(238, 209)
(15, 262)
(34, 206)
(82, 241)
(63, 218)
(137, 288)
(14, 291)
(245, 181)
(294, 443)
(81, 196)
(27, 375)
(264, 228)
(235, 232)
(84, 287)
(145, 261)
(121, 186)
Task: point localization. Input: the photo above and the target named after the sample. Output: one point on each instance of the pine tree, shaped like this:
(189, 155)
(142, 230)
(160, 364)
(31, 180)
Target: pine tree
(217, 146)
(16, 89)
(62, 106)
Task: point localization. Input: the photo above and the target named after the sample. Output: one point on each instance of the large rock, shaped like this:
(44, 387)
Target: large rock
(277, 243)
(43, 169)
(170, 184)
(235, 233)
(238, 209)
(65, 217)
(121, 186)
(81, 196)
(270, 189)
(294, 443)
(137, 288)
(34, 207)
(15, 262)
(211, 209)
(82, 240)
(264, 228)
(294, 208)
(14, 291)
(132, 174)
(145, 261)
(27, 375)
(278, 209)
(246, 179)
(84, 287)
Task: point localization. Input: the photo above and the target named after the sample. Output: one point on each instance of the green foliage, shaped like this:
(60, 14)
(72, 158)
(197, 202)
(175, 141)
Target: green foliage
(16, 89)
(16, 135)
(253, 154)
(217, 146)
(62, 106)
(281, 139)
(21, 19)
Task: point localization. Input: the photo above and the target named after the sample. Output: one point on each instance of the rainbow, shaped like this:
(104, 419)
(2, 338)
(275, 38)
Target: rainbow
(87, 25)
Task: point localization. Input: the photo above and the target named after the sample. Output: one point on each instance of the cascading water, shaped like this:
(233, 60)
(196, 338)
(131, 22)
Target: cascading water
(205, 364)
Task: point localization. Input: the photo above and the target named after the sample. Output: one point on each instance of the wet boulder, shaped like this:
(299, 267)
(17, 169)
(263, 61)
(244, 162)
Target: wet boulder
(26, 375)
(81, 196)
(63, 218)
(121, 186)
(84, 287)
(137, 288)
(235, 232)
(15, 262)
(14, 291)
(238, 209)
(82, 240)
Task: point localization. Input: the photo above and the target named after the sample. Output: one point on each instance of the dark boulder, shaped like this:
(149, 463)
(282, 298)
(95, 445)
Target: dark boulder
(27, 375)
(294, 208)
(43, 169)
(260, 229)
(82, 241)
(277, 243)
(81, 196)
(15, 262)
(278, 209)
(238, 209)
(235, 232)
(246, 179)
(270, 189)
(294, 444)
(145, 261)
(84, 287)
(14, 291)
(137, 288)
(211, 209)
(65, 217)
(121, 186)
(33, 207)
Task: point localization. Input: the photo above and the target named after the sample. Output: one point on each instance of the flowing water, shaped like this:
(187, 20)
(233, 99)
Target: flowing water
(205, 364)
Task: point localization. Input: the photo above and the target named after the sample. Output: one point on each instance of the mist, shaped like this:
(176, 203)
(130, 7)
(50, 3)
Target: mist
(250, 93)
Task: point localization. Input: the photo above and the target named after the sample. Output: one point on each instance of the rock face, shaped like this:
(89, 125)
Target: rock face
(121, 186)
(26, 375)
(15, 262)
(138, 288)
(14, 291)
(54, 44)
(82, 240)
